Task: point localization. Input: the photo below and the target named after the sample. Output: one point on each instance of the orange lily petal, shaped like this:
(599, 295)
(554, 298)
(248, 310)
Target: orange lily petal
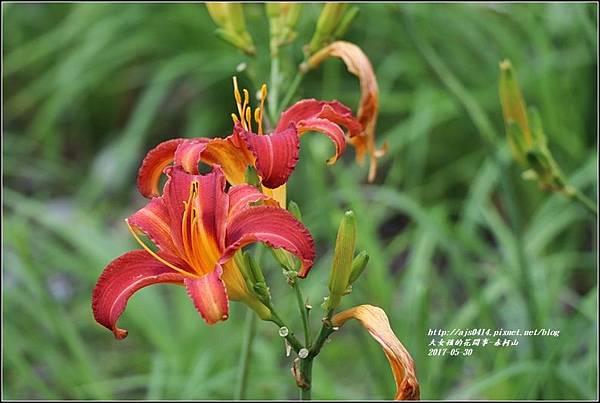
(377, 324)
(120, 280)
(359, 65)
(153, 165)
(209, 296)
(275, 227)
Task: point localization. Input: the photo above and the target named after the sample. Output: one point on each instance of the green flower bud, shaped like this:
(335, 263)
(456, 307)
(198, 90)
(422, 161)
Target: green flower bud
(358, 266)
(282, 20)
(514, 111)
(327, 23)
(345, 22)
(232, 25)
(295, 210)
(342, 259)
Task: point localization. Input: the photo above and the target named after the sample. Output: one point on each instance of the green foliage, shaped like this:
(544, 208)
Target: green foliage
(449, 225)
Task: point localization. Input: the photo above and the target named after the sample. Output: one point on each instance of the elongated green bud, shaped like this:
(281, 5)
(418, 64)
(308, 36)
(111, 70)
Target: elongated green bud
(514, 111)
(327, 23)
(232, 25)
(284, 258)
(358, 266)
(342, 259)
(345, 22)
(282, 20)
(295, 210)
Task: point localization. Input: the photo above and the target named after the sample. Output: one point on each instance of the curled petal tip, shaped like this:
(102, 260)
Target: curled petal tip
(375, 321)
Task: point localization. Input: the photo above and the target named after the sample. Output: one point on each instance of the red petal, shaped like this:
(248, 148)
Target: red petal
(209, 296)
(275, 227)
(241, 196)
(334, 111)
(120, 279)
(331, 130)
(188, 154)
(276, 154)
(153, 165)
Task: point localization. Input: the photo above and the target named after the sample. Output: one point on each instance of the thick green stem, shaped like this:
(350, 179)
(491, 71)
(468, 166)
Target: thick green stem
(306, 371)
(249, 331)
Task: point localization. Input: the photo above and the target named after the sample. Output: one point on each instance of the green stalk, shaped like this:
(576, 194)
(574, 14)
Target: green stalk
(585, 201)
(249, 332)
(274, 88)
(303, 312)
(292, 89)
(306, 371)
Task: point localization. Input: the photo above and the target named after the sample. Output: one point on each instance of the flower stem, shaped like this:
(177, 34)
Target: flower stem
(274, 88)
(306, 371)
(303, 313)
(293, 88)
(249, 332)
(585, 201)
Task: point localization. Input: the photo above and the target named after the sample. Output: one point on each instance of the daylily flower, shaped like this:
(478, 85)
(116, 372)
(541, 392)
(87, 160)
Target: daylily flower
(197, 227)
(274, 155)
(377, 324)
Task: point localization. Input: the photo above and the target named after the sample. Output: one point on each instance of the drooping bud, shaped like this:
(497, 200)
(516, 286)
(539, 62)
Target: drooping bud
(232, 25)
(342, 259)
(358, 266)
(328, 21)
(282, 20)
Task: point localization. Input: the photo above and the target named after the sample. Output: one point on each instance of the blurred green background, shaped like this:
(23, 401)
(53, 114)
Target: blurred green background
(450, 226)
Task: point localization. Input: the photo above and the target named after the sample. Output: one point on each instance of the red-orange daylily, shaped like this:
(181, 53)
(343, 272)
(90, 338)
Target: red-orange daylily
(197, 227)
(273, 155)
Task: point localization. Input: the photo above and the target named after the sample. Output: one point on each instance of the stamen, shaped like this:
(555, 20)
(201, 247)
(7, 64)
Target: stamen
(235, 118)
(263, 97)
(160, 259)
(244, 106)
(249, 118)
(258, 119)
(238, 100)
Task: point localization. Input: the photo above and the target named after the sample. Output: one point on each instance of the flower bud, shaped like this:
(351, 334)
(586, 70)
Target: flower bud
(232, 25)
(358, 266)
(515, 113)
(282, 20)
(295, 210)
(342, 259)
(328, 21)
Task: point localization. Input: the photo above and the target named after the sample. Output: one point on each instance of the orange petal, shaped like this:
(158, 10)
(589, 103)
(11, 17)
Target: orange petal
(153, 165)
(358, 64)
(376, 322)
